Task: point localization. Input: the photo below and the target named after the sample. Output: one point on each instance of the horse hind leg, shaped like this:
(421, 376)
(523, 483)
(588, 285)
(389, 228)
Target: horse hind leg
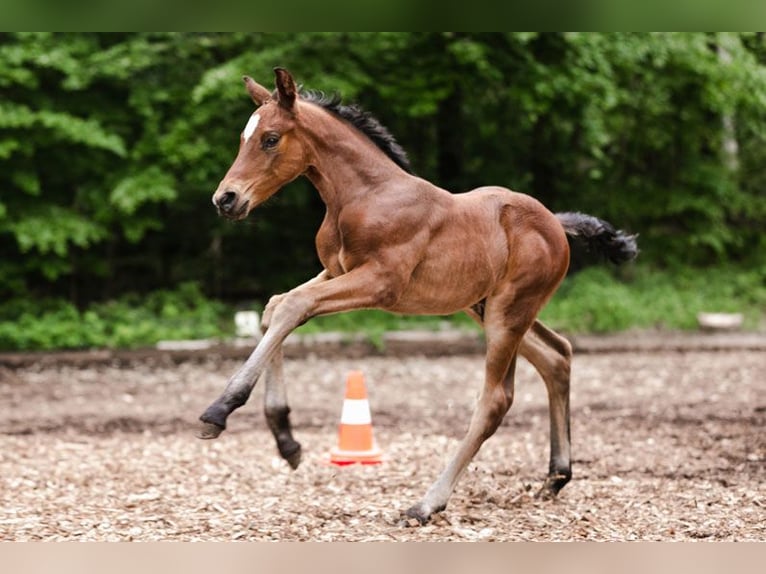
(495, 400)
(551, 355)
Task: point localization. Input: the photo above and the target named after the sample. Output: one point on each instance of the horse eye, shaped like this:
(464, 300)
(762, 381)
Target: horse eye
(270, 141)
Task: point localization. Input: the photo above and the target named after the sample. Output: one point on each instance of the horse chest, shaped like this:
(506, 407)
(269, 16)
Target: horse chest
(328, 247)
(342, 248)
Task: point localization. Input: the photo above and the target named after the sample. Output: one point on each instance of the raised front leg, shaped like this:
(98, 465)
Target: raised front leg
(364, 287)
(277, 411)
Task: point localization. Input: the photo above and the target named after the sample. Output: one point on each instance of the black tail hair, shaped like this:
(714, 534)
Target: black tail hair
(600, 236)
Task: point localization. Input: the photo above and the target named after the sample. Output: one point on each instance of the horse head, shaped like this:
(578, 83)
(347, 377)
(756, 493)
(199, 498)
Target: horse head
(270, 153)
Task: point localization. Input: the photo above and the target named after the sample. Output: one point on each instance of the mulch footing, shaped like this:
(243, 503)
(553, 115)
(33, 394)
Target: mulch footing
(394, 344)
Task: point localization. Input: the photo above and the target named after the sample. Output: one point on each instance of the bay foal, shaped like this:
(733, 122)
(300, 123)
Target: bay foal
(393, 241)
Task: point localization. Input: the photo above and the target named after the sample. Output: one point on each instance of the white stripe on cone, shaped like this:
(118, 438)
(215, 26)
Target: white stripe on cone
(356, 412)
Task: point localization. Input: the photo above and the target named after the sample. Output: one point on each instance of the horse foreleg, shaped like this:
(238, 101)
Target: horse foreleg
(240, 385)
(551, 355)
(361, 288)
(268, 354)
(275, 405)
(277, 412)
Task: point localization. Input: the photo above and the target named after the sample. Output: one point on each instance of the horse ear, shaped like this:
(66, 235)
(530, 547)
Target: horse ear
(256, 91)
(285, 88)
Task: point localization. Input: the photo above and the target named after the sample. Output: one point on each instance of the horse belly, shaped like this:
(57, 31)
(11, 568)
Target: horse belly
(448, 281)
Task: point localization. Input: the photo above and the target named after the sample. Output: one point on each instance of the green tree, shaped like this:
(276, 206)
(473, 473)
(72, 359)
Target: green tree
(111, 145)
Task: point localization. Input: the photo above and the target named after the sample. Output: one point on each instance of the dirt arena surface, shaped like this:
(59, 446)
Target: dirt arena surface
(666, 446)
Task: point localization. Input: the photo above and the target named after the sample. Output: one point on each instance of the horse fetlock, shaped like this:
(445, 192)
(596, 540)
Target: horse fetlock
(278, 419)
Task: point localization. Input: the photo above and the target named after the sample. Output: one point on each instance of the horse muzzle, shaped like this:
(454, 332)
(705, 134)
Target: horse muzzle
(230, 204)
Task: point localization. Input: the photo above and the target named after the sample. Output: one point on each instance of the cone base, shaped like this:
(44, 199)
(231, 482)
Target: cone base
(340, 457)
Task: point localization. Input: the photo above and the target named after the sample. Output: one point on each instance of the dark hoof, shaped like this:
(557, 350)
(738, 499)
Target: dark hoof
(409, 522)
(209, 431)
(291, 453)
(417, 515)
(552, 485)
(545, 493)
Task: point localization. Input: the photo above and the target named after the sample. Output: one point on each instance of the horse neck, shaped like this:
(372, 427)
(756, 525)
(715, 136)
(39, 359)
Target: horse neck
(345, 164)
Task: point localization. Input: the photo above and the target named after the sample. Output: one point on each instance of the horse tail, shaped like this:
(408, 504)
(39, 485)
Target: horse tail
(600, 236)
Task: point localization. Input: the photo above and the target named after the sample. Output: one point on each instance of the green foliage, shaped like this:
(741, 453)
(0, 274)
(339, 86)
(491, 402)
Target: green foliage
(600, 300)
(594, 300)
(130, 321)
(51, 229)
(111, 145)
(597, 300)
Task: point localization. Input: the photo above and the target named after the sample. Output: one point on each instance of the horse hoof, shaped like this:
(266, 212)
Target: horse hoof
(207, 431)
(545, 493)
(290, 450)
(409, 522)
(294, 459)
(414, 517)
(552, 485)
(292, 455)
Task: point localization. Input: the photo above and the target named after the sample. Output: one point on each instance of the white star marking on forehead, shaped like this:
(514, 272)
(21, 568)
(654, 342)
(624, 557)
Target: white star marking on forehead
(252, 123)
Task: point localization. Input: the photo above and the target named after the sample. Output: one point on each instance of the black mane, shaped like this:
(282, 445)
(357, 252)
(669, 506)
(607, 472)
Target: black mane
(365, 122)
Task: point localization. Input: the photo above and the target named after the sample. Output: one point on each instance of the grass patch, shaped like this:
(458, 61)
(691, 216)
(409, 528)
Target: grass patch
(603, 300)
(131, 321)
(597, 300)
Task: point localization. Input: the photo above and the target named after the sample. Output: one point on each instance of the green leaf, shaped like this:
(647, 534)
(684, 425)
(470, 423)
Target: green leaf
(88, 132)
(69, 127)
(51, 229)
(149, 186)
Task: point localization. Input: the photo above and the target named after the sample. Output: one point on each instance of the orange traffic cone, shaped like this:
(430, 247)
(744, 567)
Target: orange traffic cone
(355, 441)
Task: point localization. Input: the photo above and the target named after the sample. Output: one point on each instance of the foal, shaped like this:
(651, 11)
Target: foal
(393, 241)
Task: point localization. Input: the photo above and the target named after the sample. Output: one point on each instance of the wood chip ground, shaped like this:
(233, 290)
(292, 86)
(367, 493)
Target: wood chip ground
(666, 446)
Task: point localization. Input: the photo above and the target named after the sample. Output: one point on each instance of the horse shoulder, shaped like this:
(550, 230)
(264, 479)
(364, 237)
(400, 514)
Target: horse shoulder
(328, 245)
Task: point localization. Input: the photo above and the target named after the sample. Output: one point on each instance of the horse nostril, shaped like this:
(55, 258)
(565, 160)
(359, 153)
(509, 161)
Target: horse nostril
(227, 200)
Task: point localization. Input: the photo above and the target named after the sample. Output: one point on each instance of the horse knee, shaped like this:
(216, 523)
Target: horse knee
(289, 310)
(268, 311)
(278, 418)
